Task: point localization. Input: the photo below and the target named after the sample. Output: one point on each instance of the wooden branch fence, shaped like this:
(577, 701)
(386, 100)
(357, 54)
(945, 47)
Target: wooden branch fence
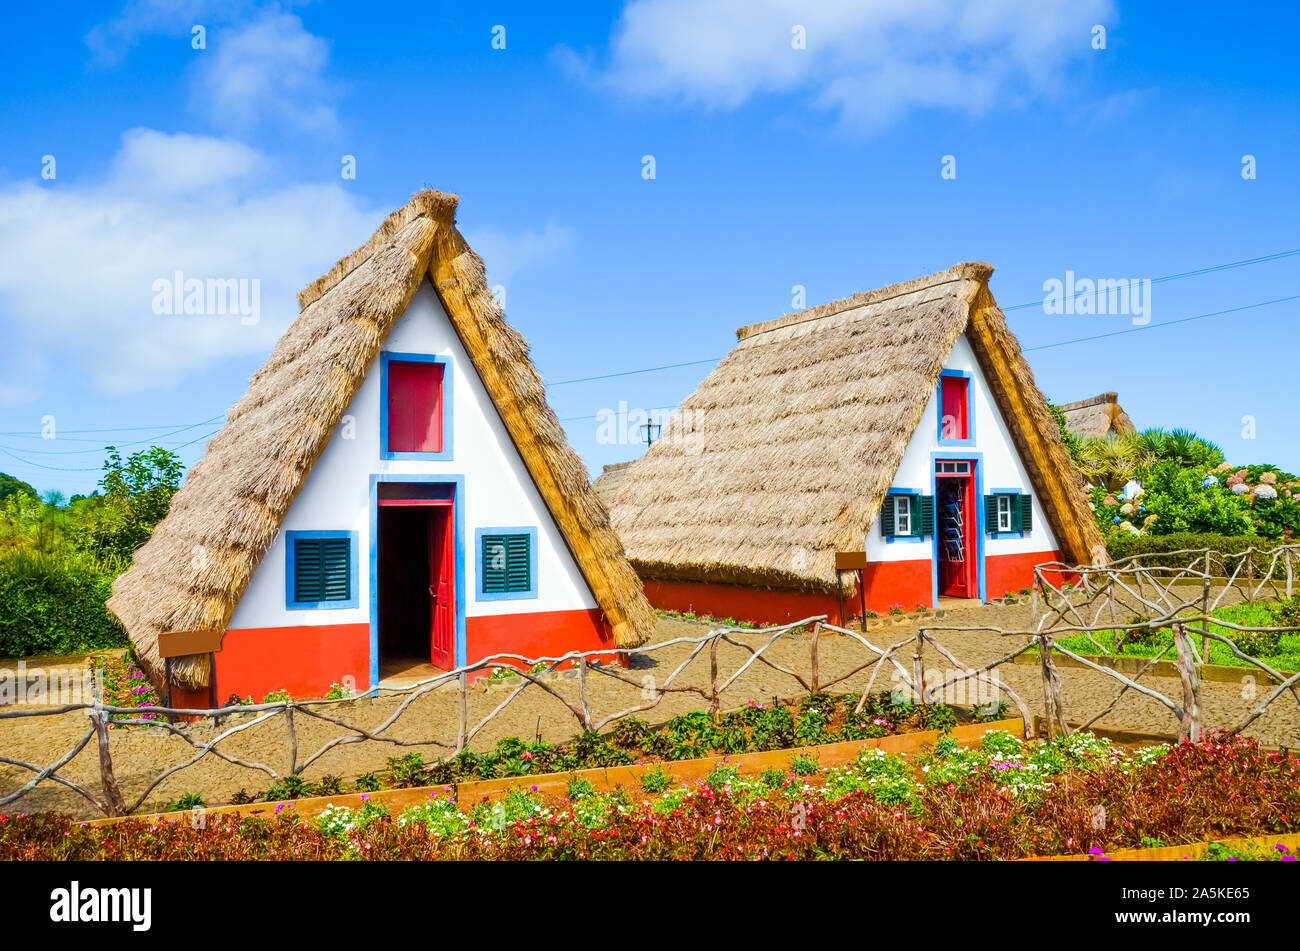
(1111, 590)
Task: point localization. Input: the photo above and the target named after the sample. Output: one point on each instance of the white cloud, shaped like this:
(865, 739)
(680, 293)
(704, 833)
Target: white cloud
(259, 65)
(78, 262)
(110, 41)
(868, 62)
(505, 255)
(271, 69)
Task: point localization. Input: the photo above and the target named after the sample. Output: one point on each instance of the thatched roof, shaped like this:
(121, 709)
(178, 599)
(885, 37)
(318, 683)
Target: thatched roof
(191, 574)
(610, 480)
(1098, 416)
(784, 454)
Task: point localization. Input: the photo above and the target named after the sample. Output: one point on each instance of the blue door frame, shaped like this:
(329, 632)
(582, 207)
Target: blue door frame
(977, 465)
(457, 483)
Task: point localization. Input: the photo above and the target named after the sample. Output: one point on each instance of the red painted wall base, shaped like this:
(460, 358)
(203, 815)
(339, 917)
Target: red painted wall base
(543, 634)
(888, 583)
(302, 660)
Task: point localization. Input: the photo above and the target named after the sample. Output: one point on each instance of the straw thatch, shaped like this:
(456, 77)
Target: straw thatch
(191, 574)
(784, 454)
(1099, 416)
(610, 480)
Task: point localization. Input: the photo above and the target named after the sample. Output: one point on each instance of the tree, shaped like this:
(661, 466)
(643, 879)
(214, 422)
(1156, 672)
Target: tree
(137, 494)
(9, 485)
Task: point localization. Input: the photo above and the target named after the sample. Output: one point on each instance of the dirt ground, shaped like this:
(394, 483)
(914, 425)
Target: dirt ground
(141, 754)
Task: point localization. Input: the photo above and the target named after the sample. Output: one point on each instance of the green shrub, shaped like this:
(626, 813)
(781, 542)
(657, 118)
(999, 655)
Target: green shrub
(406, 771)
(655, 781)
(579, 788)
(772, 778)
(939, 717)
(1159, 549)
(368, 782)
(803, 766)
(721, 776)
(329, 785)
(187, 801)
(54, 605)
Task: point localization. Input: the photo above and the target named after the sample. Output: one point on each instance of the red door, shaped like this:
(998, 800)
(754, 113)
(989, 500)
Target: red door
(442, 587)
(955, 529)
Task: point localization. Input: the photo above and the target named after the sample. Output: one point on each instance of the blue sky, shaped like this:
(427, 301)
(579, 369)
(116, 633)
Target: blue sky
(775, 167)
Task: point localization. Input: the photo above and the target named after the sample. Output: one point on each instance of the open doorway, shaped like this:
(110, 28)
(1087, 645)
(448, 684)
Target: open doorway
(415, 585)
(955, 528)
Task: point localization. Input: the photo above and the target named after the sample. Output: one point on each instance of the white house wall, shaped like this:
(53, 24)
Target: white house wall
(1002, 469)
(498, 492)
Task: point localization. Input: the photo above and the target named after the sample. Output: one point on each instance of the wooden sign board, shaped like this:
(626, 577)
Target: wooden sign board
(183, 643)
(850, 560)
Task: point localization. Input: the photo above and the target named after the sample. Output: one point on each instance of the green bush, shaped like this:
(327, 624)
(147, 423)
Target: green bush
(53, 605)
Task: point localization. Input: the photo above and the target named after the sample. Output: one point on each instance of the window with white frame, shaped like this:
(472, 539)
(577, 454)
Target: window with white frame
(902, 514)
(1005, 512)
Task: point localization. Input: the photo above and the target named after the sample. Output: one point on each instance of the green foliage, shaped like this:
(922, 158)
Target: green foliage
(939, 717)
(288, 787)
(52, 604)
(803, 766)
(720, 777)
(579, 788)
(1180, 503)
(185, 802)
(137, 494)
(655, 780)
(406, 771)
(10, 485)
(368, 782)
(772, 778)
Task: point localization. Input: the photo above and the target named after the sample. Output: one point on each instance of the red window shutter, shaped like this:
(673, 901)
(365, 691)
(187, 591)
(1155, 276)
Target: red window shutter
(953, 390)
(415, 407)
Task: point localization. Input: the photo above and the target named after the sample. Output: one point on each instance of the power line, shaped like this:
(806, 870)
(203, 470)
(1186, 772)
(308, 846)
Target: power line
(124, 429)
(610, 376)
(1276, 256)
(1167, 323)
(100, 445)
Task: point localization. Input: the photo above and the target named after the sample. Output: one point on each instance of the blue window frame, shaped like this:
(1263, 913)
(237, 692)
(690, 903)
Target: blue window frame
(448, 388)
(970, 407)
(320, 570)
(506, 559)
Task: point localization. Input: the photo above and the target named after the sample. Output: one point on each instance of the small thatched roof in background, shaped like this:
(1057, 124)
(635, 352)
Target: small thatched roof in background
(784, 454)
(1099, 416)
(191, 574)
(611, 479)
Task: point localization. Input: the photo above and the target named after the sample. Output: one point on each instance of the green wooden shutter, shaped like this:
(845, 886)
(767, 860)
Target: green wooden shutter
(322, 570)
(887, 517)
(507, 563)
(991, 514)
(1026, 514)
(923, 513)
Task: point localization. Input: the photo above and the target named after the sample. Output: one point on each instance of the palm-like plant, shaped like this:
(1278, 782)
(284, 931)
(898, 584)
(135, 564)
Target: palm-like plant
(1113, 459)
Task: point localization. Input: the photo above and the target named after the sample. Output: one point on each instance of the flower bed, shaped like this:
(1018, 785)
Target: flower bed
(816, 720)
(126, 685)
(1004, 799)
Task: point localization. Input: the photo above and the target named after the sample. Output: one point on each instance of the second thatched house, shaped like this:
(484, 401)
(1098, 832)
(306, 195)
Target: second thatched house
(393, 492)
(897, 434)
(1099, 416)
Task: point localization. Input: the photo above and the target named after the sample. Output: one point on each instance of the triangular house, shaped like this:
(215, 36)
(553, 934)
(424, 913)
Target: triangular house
(1098, 416)
(393, 490)
(897, 433)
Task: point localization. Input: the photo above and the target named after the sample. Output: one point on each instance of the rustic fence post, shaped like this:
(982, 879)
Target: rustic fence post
(582, 693)
(814, 663)
(1190, 726)
(1288, 573)
(462, 681)
(1205, 625)
(715, 701)
(293, 738)
(1053, 703)
(112, 793)
(918, 668)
